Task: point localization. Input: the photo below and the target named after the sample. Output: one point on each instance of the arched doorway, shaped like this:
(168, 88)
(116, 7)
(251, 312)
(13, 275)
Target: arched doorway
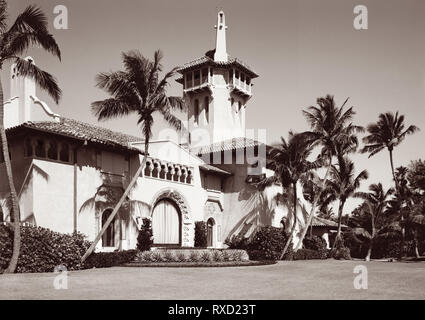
(210, 232)
(108, 237)
(166, 223)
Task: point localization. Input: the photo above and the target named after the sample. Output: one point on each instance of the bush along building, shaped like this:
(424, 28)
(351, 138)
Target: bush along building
(70, 174)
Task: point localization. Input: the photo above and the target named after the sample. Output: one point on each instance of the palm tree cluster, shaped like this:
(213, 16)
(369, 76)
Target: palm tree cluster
(334, 135)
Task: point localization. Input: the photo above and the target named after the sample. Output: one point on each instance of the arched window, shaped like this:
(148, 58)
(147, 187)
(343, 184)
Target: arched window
(108, 237)
(64, 153)
(207, 109)
(40, 150)
(196, 111)
(239, 106)
(52, 152)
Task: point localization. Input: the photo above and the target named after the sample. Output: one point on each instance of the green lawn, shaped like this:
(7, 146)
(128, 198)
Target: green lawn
(315, 279)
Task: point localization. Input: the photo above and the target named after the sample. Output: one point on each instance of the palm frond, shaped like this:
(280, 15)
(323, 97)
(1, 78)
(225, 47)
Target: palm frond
(45, 80)
(110, 108)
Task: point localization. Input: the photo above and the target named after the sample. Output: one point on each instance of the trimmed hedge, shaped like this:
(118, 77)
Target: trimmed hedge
(200, 234)
(109, 259)
(42, 249)
(207, 255)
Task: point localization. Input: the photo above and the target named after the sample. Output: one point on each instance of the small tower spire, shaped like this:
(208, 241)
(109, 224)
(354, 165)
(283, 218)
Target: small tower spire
(220, 44)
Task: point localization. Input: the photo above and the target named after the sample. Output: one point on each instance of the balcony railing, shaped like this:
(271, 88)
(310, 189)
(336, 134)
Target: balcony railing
(164, 170)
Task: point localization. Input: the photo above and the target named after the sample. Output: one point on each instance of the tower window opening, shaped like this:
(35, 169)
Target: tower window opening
(28, 148)
(207, 109)
(189, 79)
(64, 153)
(197, 77)
(205, 75)
(239, 106)
(221, 18)
(40, 150)
(196, 112)
(52, 152)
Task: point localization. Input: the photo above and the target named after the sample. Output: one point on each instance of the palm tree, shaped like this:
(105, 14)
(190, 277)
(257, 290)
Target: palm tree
(374, 205)
(137, 89)
(342, 185)
(388, 132)
(289, 162)
(330, 127)
(29, 29)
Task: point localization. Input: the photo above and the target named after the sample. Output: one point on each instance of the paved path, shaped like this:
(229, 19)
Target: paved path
(314, 279)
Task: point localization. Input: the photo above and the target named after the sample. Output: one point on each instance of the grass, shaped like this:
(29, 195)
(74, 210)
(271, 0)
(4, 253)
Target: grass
(314, 279)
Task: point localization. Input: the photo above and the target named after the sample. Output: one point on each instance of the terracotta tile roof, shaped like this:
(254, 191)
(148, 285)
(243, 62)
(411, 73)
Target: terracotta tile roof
(321, 222)
(230, 144)
(81, 131)
(209, 61)
(210, 168)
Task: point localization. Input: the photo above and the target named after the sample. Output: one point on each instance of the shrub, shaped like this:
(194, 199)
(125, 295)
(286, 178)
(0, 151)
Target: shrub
(318, 244)
(168, 256)
(268, 243)
(156, 256)
(237, 242)
(42, 249)
(226, 255)
(206, 256)
(340, 254)
(194, 256)
(144, 256)
(307, 254)
(109, 259)
(217, 256)
(200, 234)
(180, 256)
(145, 237)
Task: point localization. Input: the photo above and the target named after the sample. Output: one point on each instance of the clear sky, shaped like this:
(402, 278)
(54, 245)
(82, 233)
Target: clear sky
(301, 50)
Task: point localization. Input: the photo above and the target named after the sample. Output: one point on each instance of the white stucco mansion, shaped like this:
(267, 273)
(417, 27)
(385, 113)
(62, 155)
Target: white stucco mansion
(69, 174)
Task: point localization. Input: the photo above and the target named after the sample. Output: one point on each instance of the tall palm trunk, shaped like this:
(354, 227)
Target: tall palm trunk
(291, 235)
(313, 206)
(120, 202)
(369, 251)
(338, 233)
(403, 229)
(416, 238)
(15, 207)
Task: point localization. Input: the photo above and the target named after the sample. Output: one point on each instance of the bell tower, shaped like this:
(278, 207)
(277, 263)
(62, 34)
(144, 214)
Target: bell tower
(216, 88)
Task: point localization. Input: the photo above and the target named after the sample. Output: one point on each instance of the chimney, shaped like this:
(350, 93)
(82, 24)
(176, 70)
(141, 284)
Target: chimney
(18, 108)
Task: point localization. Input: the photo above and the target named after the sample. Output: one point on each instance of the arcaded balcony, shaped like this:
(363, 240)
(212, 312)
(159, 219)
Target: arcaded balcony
(240, 83)
(197, 80)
